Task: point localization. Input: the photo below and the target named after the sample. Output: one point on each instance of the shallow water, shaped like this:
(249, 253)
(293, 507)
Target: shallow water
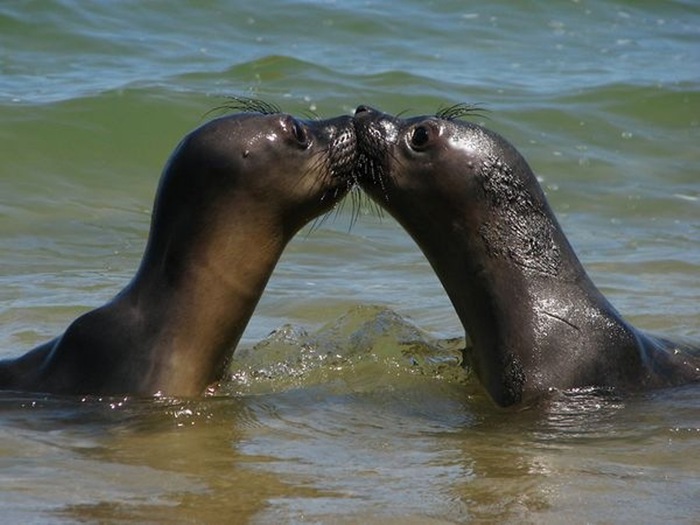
(355, 410)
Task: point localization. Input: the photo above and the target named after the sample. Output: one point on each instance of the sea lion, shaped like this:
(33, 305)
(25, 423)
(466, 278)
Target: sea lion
(536, 320)
(231, 196)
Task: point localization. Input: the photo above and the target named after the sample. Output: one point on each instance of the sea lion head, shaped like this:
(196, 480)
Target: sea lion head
(260, 171)
(444, 178)
(278, 164)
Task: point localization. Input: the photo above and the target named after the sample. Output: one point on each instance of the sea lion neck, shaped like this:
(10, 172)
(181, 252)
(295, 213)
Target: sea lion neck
(205, 266)
(199, 303)
(520, 291)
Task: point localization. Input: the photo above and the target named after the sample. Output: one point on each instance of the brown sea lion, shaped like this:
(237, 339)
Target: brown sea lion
(232, 195)
(476, 210)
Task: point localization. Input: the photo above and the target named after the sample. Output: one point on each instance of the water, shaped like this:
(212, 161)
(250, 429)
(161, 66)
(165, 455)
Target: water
(355, 410)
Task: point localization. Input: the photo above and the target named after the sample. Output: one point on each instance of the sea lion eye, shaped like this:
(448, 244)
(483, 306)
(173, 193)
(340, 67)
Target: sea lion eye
(420, 137)
(299, 133)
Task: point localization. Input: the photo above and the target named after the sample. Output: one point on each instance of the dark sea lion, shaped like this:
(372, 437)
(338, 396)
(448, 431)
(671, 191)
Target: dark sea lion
(231, 196)
(474, 207)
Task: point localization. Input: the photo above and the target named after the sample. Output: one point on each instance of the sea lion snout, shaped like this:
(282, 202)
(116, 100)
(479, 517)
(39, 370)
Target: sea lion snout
(374, 131)
(364, 111)
(342, 147)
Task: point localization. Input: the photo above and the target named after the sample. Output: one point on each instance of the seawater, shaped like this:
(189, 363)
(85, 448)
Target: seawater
(355, 409)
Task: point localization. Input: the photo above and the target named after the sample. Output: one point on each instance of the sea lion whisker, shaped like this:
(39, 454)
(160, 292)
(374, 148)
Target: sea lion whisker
(320, 162)
(323, 163)
(240, 104)
(253, 105)
(356, 198)
(316, 224)
(311, 114)
(321, 219)
(461, 110)
(374, 207)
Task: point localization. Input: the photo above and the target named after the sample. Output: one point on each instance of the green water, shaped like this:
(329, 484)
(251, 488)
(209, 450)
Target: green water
(356, 412)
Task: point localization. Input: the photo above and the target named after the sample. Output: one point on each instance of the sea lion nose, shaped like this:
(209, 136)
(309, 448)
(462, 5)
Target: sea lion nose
(365, 111)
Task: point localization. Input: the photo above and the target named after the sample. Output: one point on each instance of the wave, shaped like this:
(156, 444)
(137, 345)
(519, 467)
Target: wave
(364, 349)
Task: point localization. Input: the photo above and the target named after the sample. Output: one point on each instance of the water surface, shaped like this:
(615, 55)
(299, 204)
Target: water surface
(355, 410)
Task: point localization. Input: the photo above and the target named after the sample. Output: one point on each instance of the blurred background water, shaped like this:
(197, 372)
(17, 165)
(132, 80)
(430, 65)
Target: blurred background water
(355, 409)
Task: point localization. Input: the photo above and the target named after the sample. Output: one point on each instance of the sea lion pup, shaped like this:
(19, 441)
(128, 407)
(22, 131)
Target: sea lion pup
(232, 195)
(474, 207)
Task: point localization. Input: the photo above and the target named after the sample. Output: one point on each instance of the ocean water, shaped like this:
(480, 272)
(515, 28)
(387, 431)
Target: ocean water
(355, 409)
